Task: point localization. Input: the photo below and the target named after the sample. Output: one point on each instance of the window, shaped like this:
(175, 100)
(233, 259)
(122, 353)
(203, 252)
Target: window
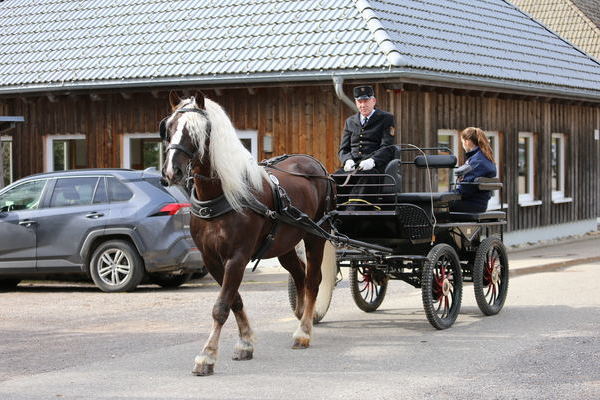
(66, 152)
(142, 150)
(557, 159)
(525, 168)
(26, 196)
(250, 141)
(7, 161)
(73, 191)
(494, 138)
(447, 138)
(117, 191)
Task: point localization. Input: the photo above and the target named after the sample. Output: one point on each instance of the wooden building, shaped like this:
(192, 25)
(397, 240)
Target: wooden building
(92, 96)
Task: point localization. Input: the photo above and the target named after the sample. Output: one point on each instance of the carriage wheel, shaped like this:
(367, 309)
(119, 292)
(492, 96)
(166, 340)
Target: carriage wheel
(328, 281)
(368, 287)
(441, 286)
(490, 276)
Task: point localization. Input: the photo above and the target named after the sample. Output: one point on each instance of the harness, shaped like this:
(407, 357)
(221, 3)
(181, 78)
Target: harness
(283, 211)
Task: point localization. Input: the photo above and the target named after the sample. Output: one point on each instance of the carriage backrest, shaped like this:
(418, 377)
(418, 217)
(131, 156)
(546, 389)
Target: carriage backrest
(393, 169)
(435, 161)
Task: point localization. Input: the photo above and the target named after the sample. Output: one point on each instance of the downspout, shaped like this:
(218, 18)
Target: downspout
(338, 84)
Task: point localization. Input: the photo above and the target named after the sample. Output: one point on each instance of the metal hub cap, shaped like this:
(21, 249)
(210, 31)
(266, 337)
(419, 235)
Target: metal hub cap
(446, 287)
(114, 267)
(496, 274)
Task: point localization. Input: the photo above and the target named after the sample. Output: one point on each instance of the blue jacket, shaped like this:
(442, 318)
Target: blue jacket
(481, 166)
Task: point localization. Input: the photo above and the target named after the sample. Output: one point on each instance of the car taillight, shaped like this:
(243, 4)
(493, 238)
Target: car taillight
(173, 208)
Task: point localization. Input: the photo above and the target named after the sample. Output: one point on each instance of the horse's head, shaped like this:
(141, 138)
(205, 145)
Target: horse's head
(184, 133)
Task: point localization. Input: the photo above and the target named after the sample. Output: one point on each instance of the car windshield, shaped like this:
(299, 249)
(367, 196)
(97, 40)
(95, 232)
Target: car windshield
(25, 196)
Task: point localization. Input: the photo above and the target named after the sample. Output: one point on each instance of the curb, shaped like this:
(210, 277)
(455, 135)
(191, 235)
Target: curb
(551, 267)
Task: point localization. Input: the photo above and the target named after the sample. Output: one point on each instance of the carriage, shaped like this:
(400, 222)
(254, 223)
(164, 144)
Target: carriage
(413, 237)
(243, 211)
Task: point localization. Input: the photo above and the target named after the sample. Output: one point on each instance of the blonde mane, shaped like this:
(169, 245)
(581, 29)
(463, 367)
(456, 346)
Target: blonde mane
(231, 162)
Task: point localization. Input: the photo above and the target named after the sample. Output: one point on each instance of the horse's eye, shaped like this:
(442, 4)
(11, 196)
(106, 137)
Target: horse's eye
(163, 129)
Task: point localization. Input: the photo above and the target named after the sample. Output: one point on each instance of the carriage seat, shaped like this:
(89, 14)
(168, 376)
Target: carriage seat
(485, 216)
(395, 187)
(421, 197)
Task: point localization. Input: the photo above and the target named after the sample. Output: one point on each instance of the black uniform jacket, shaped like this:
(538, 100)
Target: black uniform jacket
(370, 141)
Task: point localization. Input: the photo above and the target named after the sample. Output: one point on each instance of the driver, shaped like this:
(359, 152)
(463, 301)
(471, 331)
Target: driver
(365, 146)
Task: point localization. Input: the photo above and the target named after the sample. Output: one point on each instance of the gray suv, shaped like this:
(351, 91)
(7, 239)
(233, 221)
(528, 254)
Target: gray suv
(117, 226)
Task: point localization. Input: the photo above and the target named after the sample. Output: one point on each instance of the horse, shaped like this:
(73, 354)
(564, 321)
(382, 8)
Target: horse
(202, 147)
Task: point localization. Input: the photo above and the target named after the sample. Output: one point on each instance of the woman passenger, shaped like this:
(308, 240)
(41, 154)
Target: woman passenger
(479, 162)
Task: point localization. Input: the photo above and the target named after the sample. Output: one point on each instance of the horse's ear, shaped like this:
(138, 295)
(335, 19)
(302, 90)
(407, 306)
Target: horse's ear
(174, 99)
(199, 96)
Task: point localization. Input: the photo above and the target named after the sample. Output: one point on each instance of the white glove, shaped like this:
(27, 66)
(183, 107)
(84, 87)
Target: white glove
(367, 164)
(349, 165)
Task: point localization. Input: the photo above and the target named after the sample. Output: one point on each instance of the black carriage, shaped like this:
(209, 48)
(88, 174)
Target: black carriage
(389, 234)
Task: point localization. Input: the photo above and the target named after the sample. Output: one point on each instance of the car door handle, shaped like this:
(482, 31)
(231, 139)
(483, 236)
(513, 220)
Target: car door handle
(94, 215)
(27, 223)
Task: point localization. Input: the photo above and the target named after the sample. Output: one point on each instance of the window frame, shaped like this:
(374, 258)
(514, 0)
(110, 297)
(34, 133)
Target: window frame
(253, 136)
(126, 141)
(8, 139)
(50, 147)
(456, 148)
(559, 196)
(495, 202)
(528, 198)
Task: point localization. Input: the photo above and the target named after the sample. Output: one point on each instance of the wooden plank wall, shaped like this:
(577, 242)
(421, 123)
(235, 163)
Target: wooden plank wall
(309, 119)
(421, 114)
(305, 119)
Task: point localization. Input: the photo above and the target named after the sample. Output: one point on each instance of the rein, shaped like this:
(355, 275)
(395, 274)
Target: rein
(270, 163)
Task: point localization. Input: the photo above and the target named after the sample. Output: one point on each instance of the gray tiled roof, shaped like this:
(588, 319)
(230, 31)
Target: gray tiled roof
(55, 44)
(591, 9)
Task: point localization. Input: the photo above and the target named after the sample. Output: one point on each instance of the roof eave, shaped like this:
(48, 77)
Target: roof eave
(426, 76)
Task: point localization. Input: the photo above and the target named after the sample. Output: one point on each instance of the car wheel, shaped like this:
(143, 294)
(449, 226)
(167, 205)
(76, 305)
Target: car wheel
(8, 283)
(441, 286)
(116, 266)
(169, 279)
(368, 287)
(490, 275)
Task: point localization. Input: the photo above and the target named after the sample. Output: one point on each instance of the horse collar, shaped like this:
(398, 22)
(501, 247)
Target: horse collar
(210, 208)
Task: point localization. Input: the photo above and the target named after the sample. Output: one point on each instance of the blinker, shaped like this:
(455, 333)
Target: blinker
(163, 129)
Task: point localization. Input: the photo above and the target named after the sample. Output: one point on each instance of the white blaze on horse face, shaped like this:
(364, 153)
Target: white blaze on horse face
(175, 139)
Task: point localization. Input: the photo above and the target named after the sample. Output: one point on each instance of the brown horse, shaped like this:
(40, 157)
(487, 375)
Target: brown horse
(202, 144)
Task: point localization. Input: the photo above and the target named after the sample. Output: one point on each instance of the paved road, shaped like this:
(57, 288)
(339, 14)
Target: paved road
(72, 342)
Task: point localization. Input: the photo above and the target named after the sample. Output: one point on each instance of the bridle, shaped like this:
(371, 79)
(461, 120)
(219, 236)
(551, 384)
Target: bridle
(177, 147)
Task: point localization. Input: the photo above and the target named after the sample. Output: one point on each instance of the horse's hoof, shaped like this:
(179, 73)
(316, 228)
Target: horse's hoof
(203, 369)
(242, 355)
(301, 343)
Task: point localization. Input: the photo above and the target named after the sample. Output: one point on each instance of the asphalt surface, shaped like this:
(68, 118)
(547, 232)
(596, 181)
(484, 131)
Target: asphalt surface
(71, 341)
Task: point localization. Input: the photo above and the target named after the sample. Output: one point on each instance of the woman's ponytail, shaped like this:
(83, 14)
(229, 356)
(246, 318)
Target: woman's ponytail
(480, 139)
